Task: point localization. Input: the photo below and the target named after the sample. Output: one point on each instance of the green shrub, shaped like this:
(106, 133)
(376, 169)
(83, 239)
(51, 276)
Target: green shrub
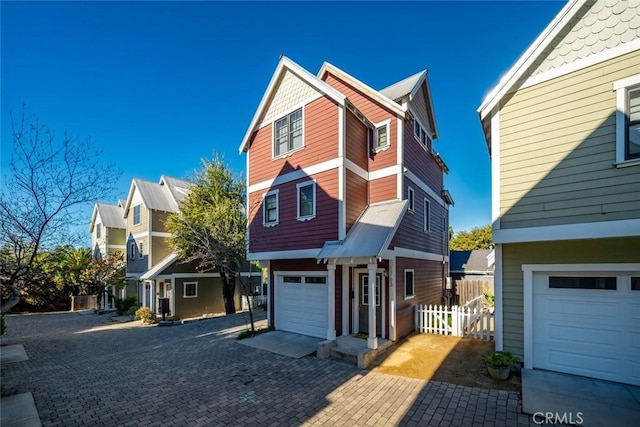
(124, 305)
(132, 310)
(501, 359)
(3, 325)
(144, 314)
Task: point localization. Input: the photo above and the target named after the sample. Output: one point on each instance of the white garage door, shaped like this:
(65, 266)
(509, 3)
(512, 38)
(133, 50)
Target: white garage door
(301, 304)
(588, 324)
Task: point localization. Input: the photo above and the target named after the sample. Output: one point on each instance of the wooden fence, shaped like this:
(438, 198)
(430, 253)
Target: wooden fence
(257, 301)
(466, 290)
(472, 320)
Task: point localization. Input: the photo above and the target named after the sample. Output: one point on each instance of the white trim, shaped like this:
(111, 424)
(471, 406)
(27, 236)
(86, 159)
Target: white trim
(160, 234)
(146, 234)
(345, 300)
(268, 267)
(331, 302)
(299, 217)
(424, 187)
(290, 110)
(385, 172)
(342, 179)
(413, 253)
(495, 169)
(413, 285)
(587, 230)
(356, 169)
(276, 193)
(392, 299)
(298, 174)
(357, 294)
(293, 254)
(530, 55)
(411, 199)
(400, 157)
(580, 64)
(114, 246)
(498, 300)
(621, 87)
(528, 271)
(194, 275)
(141, 249)
(184, 290)
(426, 215)
(386, 124)
(273, 134)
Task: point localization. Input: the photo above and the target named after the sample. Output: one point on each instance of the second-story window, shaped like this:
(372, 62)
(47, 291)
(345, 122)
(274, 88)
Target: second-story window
(270, 209)
(410, 198)
(288, 133)
(427, 215)
(627, 121)
(140, 250)
(132, 250)
(136, 215)
(306, 200)
(633, 132)
(98, 230)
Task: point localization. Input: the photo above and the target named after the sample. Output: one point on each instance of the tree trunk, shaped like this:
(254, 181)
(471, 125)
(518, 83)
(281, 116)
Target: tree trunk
(228, 292)
(13, 300)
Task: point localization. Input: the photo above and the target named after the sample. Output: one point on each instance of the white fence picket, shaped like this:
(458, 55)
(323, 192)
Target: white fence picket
(465, 321)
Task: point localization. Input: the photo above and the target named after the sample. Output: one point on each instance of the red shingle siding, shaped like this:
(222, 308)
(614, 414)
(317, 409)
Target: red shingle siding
(420, 162)
(411, 234)
(374, 112)
(355, 197)
(320, 143)
(428, 283)
(383, 189)
(291, 234)
(356, 139)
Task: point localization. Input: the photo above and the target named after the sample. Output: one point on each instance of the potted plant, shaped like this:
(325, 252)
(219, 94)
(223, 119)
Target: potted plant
(499, 364)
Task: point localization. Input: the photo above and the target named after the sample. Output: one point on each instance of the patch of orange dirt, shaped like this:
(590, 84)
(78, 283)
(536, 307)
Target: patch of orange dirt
(443, 358)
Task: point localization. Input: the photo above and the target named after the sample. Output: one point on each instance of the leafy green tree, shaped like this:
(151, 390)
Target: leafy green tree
(47, 179)
(211, 226)
(477, 238)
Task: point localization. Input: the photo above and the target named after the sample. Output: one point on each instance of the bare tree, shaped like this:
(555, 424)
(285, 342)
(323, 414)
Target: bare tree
(48, 180)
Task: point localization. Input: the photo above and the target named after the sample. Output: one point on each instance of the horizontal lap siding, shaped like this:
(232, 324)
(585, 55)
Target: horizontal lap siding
(320, 143)
(291, 234)
(428, 279)
(160, 249)
(421, 162)
(208, 301)
(158, 220)
(562, 252)
(144, 220)
(383, 189)
(411, 234)
(557, 149)
(355, 197)
(356, 141)
(374, 112)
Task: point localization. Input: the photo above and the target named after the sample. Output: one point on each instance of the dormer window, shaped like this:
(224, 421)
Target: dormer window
(420, 133)
(381, 136)
(287, 134)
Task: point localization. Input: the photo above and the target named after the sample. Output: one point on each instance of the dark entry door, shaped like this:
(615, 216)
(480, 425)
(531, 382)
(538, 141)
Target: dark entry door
(363, 312)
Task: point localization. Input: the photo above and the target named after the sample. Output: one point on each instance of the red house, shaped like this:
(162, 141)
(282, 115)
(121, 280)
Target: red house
(346, 204)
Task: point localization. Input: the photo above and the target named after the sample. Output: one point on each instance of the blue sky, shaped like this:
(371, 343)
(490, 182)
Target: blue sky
(160, 85)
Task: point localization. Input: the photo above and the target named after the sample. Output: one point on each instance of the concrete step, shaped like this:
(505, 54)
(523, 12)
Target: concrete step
(345, 353)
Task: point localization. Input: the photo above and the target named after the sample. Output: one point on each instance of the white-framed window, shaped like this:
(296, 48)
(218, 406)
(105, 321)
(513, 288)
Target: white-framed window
(411, 198)
(270, 209)
(427, 215)
(627, 121)
(132, 250)
(408, 284)
(288, 133)
(98, 230)
(381, 136)
(306, 196)
(364, 286)
(190, 290)
(140, 249)
(136, 215)
(419, 132)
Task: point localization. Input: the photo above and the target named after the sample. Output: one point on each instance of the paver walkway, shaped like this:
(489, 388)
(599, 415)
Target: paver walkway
(86, 370)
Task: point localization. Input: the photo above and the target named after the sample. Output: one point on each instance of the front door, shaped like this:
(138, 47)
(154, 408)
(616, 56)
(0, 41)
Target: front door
(363, 312)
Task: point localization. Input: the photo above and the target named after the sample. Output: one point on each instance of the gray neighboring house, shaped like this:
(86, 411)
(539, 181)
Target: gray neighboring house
(472, 265)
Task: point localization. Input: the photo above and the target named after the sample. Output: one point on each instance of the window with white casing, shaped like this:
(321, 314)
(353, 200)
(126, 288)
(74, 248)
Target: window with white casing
(419, 133)
(140, 249)
(288, 133)
(98, 231)
(306, 196)
(381, 139)
(408, 283)
(411, 198)
(270, 209)
(136, 215)
(132, 250)
(427, 215)
(190, 289)
(627, 121)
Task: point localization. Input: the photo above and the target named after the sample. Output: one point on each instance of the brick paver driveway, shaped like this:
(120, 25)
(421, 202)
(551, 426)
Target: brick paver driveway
(86, 370)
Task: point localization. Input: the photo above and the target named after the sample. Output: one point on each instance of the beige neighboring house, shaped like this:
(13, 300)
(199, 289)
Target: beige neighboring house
(151, 264)
(563, 130)
(108, 238)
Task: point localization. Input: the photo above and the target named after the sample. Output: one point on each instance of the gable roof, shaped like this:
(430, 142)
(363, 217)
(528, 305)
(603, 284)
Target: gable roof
(110, 216)
(527, 59)
(284, 65)
(370, 235)
(163, 196)
(160, 266)
(476, 261)
(374, 94)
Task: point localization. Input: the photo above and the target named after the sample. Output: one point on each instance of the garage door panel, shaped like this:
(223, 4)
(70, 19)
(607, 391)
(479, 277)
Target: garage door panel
(302, 308)
(590, 332)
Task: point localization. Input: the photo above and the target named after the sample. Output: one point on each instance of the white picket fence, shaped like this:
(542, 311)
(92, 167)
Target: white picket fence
(256, 301)
(471, 320)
